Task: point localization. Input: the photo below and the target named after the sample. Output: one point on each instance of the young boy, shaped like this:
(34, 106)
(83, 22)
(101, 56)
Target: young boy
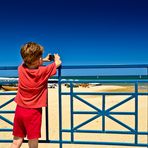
(31, 95)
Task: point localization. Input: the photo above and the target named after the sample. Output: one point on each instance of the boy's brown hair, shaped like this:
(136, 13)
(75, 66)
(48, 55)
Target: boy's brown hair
(31, 52)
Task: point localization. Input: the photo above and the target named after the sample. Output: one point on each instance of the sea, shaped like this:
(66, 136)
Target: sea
(91, 78)
(99, 78)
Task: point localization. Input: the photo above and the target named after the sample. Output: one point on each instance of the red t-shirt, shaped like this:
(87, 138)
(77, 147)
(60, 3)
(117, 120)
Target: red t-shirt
(32, 85)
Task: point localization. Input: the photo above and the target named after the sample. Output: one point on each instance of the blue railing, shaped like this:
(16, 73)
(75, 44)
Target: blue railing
(102, 113)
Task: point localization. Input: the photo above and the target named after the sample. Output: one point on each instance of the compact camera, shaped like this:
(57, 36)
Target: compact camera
(51, 57)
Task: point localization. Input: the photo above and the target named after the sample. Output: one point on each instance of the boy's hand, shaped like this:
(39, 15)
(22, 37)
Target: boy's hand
(56, 57)
(57, 60)
(46, 59)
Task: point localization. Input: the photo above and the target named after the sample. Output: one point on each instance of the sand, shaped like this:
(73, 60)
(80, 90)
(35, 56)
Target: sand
(94, 125)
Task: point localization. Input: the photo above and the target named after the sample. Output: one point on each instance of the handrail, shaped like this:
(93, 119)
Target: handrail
(100, 112)
(88, 66)
(104, 66)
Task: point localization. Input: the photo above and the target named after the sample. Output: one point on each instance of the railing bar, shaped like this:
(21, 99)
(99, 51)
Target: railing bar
(6, 103)
(86, 66)
(7, 93)
(120, 103)
(71, 111)
(98, 143)
(121, 123)
(122, 113)
(106, 131)
(83, 142)
(104, 81)
(6, 130)
(6, 120)
(136, 112)
(85, 112)
(87, 103)
(147, 104)
(86, 122)
(46, 120)
(101, 93)
(7, 112)
(8, 67)
(60, 107)
(103, 110)
(104, 66)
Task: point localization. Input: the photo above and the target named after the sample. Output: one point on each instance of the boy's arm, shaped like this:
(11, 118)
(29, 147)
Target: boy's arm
(56, 59)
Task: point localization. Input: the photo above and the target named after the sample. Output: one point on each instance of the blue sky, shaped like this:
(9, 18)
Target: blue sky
(81, 31)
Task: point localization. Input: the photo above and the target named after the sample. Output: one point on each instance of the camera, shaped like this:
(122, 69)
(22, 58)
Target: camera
(51, 57)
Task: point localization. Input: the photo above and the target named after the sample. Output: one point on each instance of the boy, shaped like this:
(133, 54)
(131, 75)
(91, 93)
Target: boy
(31, 95)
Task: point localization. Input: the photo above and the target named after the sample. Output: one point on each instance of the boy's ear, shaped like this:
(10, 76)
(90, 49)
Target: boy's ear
(41, 61)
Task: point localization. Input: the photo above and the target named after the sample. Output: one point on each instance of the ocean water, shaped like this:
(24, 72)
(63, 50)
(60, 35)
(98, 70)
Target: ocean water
(109, 79)
(81, 78)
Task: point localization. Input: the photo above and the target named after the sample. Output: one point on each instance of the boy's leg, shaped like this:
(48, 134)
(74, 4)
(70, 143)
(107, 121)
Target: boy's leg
(33, 143)
(17, 142)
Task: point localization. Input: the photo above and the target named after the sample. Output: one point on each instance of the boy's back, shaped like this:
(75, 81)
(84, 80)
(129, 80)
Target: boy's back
(32, 87)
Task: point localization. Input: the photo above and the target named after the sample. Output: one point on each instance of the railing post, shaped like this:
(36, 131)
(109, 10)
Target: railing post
(60, 107)
(46, 121)
(103, 116)
(71, 111)
(136, 112)
(147, 100)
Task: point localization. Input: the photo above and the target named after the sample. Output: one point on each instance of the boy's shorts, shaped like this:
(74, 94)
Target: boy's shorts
(27, 122)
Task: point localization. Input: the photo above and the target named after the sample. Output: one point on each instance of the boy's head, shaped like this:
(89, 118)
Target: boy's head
(31, 53)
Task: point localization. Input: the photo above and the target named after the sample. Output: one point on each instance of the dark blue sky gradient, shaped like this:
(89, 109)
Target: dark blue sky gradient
(81, 31)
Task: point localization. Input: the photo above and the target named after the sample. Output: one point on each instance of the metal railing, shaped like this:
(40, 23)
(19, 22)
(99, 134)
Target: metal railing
(97, 112)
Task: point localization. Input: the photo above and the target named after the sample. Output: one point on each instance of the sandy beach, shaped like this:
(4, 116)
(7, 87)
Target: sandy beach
(96, 100)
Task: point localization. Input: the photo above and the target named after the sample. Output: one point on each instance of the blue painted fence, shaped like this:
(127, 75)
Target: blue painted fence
(97, 112)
